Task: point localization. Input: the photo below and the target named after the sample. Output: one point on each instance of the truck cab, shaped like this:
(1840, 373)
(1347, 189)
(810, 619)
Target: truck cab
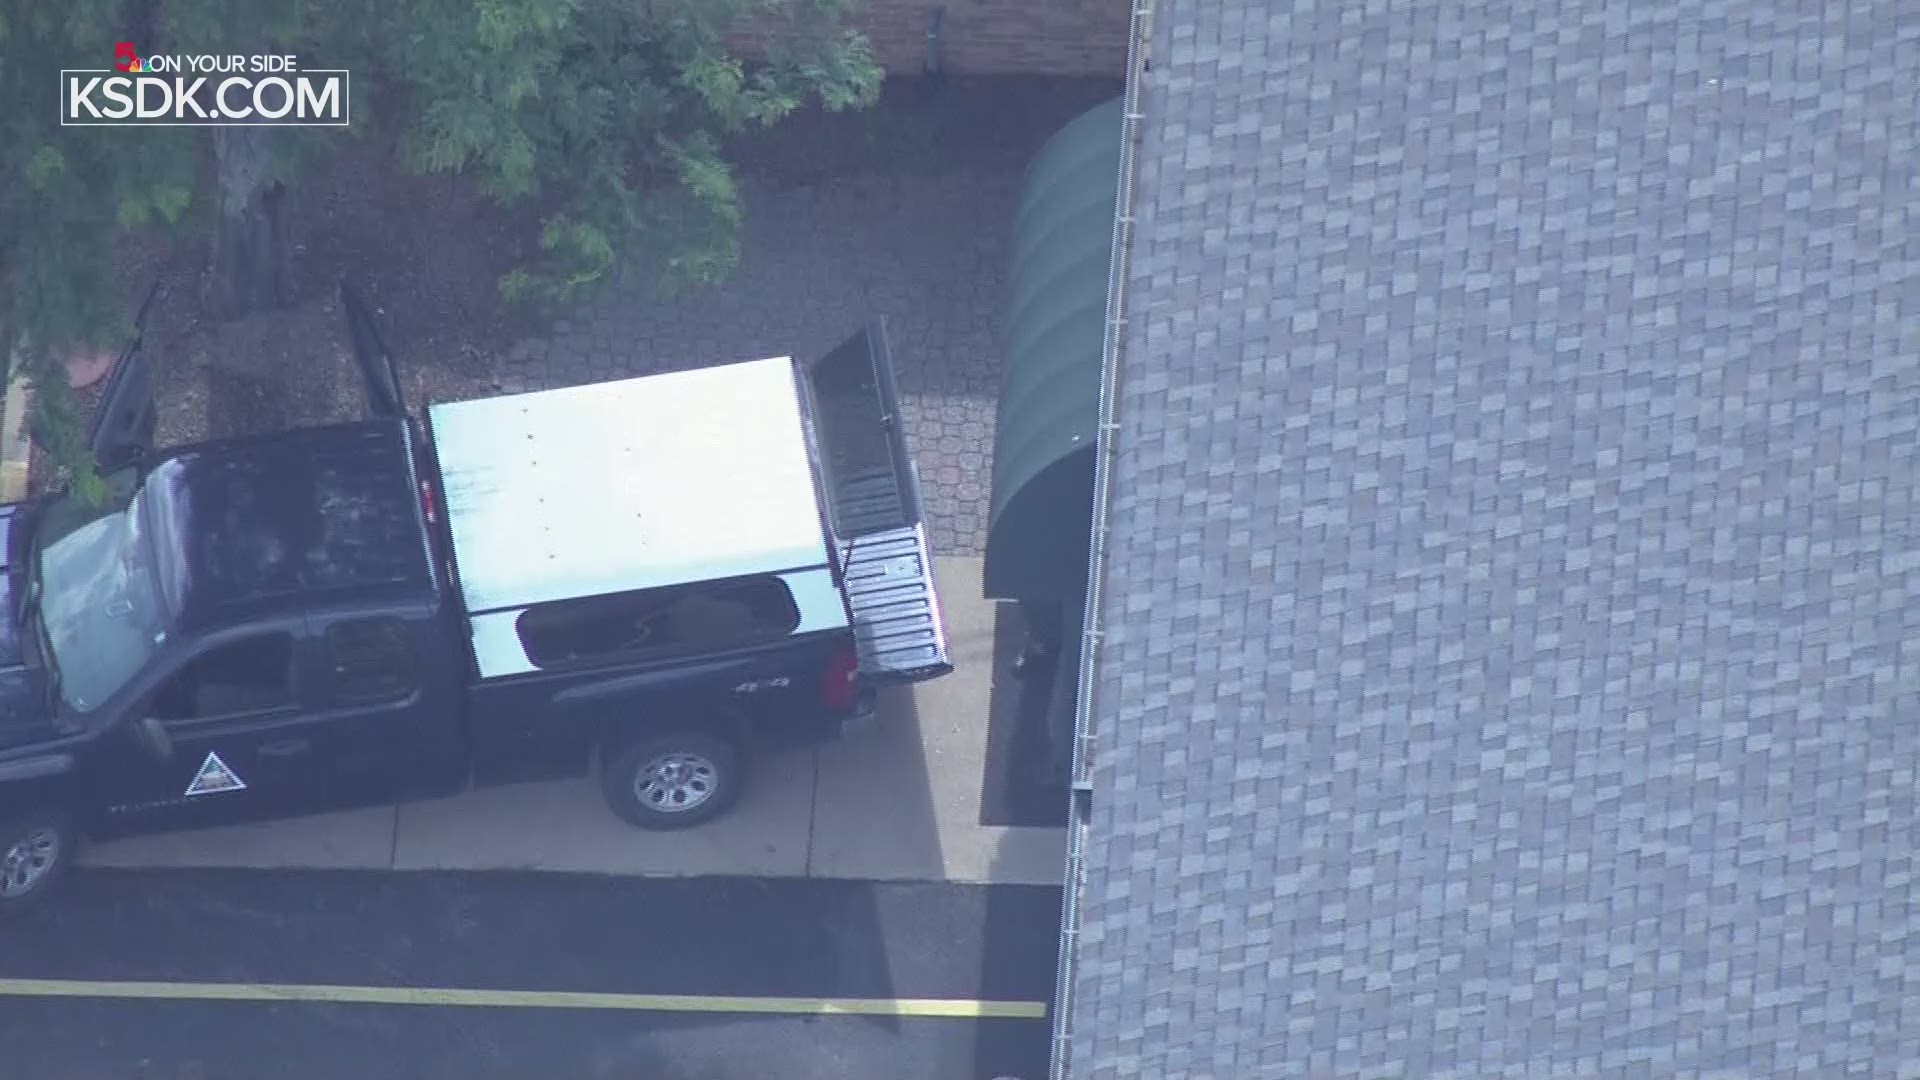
(646, 578)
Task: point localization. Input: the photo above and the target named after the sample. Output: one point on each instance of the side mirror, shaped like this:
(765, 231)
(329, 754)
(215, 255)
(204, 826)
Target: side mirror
(154, 737)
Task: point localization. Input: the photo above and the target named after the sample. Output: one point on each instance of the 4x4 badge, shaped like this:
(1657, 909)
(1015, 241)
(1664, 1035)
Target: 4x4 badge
(215, 777)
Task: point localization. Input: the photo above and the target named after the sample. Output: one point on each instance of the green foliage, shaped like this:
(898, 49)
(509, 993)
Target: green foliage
(609, 114)
(67, 196)
(60, 429)
(67, 193)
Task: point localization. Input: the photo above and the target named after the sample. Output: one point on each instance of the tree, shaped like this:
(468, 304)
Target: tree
(617, 109)
(613, 112)
(254, 168)
(67, 195)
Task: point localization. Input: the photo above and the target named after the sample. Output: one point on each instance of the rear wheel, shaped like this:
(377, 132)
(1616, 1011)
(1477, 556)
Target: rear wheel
(672, 780)
(35, 851)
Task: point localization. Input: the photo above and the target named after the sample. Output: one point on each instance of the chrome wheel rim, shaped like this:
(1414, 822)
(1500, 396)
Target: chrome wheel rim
(28, 861)
(676, 783)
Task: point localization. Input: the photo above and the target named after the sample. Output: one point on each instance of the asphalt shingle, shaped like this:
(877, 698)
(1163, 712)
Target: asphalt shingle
(1512, 601)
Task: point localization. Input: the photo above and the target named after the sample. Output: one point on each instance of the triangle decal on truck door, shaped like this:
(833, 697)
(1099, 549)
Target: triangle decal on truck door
(214, 777)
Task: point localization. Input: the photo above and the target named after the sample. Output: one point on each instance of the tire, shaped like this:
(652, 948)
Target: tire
(643, 780)
(36, 851)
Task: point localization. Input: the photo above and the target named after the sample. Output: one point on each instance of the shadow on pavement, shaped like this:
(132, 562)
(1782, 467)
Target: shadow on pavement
(1023, 783)
(1019, 942)
(903, 818)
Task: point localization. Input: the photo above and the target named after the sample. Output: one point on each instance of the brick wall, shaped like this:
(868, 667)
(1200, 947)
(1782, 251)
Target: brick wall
(982, 37)
(1001, 37)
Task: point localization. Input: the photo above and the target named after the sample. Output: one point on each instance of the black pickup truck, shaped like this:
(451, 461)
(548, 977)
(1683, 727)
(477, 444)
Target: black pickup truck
(646, 577)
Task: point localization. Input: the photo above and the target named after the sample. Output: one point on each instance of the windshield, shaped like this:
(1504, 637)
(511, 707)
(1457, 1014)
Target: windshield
(102, 610)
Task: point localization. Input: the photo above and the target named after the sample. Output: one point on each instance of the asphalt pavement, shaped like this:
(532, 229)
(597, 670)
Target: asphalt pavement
(307, 975)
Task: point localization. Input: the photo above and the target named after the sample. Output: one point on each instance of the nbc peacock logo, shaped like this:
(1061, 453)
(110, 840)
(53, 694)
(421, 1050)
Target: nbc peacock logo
(126, 57)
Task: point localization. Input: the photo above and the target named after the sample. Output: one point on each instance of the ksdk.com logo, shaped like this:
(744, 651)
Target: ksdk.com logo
(204, 90)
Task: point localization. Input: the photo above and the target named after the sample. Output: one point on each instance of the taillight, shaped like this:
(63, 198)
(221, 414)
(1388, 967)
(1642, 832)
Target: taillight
(842, 682)
(426, 500)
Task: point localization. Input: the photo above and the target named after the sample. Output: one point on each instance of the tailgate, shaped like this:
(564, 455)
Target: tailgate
(872, 491)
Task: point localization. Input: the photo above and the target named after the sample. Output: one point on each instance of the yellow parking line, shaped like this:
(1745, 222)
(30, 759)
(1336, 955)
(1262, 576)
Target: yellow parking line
(524, 999)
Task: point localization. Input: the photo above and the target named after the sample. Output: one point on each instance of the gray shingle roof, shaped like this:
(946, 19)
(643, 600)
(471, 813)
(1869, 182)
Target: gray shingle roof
(1513, 606)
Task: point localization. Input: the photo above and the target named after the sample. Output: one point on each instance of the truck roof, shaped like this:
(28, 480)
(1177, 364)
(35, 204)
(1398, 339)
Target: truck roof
(259, 525)
(636, 483)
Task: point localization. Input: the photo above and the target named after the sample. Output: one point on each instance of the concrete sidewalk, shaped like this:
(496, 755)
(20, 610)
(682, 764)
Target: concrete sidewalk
(898, 800)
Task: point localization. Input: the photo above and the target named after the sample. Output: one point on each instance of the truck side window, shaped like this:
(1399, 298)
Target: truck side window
(253, 674)
(372, 659)
(709, 617)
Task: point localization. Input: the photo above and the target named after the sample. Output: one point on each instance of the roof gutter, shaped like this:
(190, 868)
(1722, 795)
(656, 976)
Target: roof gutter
(1081, 797)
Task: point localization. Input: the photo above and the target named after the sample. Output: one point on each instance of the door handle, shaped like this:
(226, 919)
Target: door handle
(285, 748)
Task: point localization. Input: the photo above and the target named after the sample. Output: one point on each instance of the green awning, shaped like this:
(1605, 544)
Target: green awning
(1039, 522)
